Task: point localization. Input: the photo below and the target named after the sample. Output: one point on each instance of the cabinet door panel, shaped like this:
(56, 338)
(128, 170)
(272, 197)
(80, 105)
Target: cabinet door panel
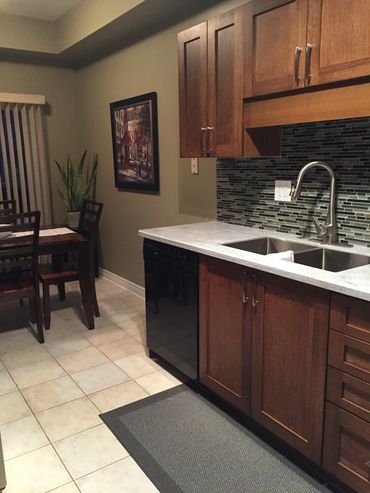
(349, 392)
(350, 316)
(340, 35)
(192, 45)
(225, 45)
(289, 361)
(349, 354)
(347, 448)
(274, 29)
(224, 334)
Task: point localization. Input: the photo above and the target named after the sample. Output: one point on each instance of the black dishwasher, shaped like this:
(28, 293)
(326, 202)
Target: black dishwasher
(171, 298)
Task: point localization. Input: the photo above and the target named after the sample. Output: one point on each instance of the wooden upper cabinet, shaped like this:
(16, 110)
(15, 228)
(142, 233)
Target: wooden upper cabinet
(275, 44)
(192, 45)
(290, 332)
(225, 87)
(224, 331)
(340, 35)
(211, 87)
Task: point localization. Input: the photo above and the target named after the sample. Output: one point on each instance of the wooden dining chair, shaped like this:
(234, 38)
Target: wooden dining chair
(71, 271)
(19, 266)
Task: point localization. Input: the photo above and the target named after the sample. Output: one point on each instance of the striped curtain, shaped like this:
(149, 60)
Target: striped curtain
(23, 170)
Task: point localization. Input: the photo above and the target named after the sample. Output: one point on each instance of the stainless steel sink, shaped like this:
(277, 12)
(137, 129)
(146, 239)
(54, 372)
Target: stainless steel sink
(266, 245)
(331, 260)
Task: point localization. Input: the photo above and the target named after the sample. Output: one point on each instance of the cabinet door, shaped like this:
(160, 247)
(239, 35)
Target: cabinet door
(192, 45)
(347, 448)
(275, 41)
(290, 332)
(225, 70)
(339, 33)
(224, 331)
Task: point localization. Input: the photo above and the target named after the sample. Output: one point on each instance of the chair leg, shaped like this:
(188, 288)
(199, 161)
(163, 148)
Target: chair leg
(40, 330)
(87, 303)
(94, 299)
(31, 304)
(46, 305)
(62, 291)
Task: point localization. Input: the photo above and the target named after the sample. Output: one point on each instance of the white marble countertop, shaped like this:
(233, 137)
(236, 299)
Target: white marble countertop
(208, 238)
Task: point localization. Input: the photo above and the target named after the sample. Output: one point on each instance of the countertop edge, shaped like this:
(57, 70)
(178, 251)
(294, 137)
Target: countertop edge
(256, 261)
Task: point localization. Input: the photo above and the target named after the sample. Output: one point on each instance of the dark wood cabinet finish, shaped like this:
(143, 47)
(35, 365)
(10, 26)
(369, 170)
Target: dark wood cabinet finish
(275, 43)
(224, 331)
(349, 393)
(347, 448)
(225, 84)
(340, 36)
(290, 332)
(192, 53)
(211, 87)
(350, 316)
(350, 355)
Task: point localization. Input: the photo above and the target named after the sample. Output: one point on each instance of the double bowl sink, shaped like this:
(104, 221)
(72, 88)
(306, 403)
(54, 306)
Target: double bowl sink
(304, 253)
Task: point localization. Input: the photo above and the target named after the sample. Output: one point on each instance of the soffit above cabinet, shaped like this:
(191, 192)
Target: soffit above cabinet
(89, 31)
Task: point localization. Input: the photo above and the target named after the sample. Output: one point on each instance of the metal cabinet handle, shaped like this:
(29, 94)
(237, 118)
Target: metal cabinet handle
(245, 298)
(367, 464)
(202, 149)
(209, 150)
(297, 57)
(307, 68)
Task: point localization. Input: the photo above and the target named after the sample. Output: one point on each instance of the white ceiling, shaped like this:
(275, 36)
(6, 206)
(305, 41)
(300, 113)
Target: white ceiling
(47, 10)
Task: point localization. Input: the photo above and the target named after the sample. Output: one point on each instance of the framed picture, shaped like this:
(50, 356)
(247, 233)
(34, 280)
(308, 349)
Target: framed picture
(135, 143)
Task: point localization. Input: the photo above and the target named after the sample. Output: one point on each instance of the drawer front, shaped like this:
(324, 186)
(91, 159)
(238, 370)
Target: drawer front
(349, 393)
(350, 355)
(350, 316)
(347, 448)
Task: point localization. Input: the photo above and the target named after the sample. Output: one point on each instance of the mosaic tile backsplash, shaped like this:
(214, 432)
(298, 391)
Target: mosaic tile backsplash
(245, 186)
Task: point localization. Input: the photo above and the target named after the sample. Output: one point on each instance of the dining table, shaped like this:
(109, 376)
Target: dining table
(58, 241)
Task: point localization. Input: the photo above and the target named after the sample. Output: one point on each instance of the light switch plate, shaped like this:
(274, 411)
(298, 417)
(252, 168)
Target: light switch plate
(282, 190)
(194, 166)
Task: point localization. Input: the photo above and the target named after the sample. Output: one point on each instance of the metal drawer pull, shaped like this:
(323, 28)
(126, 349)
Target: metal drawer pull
(297, 57)
(209, 150)
(202, 131)
(307, 70)
(245, 298)
(254, 302)
(367, 464)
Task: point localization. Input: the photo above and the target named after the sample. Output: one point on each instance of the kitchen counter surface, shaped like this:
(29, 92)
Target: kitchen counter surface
(208, 238)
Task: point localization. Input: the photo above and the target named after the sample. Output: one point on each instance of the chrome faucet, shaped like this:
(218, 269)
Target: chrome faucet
(327, 231)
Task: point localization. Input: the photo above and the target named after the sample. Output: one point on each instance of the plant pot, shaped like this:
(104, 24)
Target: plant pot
(73, 219)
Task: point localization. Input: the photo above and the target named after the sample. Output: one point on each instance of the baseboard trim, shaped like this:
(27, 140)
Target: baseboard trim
(123, 283)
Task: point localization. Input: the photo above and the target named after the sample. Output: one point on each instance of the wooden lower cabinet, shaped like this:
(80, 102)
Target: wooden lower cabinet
(347, 448)
(224, 331)
(290, 332)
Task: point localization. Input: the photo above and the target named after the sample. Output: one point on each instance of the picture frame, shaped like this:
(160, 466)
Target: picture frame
(134, 123)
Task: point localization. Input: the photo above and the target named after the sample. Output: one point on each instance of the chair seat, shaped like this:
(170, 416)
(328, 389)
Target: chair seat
(50, 275)
(11, 286)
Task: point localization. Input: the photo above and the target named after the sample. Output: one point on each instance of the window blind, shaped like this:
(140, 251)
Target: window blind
(23, 166)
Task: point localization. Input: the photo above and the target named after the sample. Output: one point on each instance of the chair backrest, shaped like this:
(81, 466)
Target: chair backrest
(7, 208)
(89, 224)
(19, 250)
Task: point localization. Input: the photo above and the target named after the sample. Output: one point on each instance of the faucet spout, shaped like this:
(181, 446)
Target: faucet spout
(327, 231)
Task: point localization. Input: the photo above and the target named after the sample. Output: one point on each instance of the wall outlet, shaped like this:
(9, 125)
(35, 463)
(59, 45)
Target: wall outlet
(194, 166)
(282, 190)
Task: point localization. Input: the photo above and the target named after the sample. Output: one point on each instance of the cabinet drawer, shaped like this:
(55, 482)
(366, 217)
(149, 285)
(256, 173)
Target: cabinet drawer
(347, 448)
(350, 355)
(350, 393)
(350, 316)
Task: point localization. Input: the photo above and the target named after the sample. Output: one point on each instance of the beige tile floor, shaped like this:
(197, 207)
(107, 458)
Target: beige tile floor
(51, 395)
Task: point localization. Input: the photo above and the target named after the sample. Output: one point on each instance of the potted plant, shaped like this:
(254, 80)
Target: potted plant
(78, 186)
